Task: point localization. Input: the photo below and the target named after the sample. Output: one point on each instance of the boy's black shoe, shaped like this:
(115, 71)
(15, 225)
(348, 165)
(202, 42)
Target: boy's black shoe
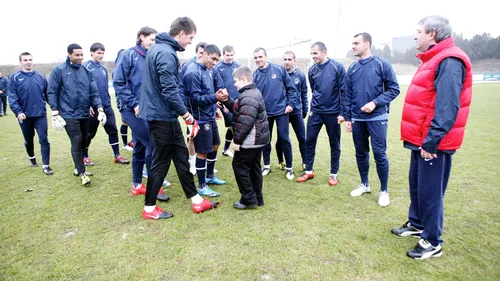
(425, 250)
(239, 205)
(407, 230)
(33, 162)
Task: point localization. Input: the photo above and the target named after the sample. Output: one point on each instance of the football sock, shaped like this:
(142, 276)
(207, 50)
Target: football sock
(149, 209)
(201, 168)
(124, 134)
(113, 141)
(197, 199)
(211, 157)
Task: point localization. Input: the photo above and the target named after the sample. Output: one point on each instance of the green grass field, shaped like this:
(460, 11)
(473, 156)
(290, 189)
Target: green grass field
(310, 231)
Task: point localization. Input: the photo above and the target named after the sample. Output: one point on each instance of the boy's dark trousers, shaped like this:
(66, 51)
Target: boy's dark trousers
(248, 174)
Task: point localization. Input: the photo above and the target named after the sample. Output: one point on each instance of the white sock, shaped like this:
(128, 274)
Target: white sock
(267, 166)
(137, 185)
(334, 175)
(309, 172)
(149, 209)
(32, 157)
(45, 166)
(197, 199)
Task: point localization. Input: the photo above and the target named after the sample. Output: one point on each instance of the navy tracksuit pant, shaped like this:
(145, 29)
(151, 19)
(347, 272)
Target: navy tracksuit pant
(28, 127)
(109, 127)
(364, 132)
(428, 181)
(142, 147)
(314, 124)
(283, 135)
(300, 132)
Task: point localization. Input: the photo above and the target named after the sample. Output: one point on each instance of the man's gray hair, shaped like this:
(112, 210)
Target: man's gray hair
(439, 24)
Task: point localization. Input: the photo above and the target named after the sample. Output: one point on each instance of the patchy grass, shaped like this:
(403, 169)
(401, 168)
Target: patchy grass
(310, 231)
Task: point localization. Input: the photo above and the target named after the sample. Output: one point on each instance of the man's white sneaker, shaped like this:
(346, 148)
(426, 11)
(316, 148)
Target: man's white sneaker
(166, 182)
(128, 148)
(383, 199)
(290, 174)
(360, 189)
(266, 171)
(228, 153)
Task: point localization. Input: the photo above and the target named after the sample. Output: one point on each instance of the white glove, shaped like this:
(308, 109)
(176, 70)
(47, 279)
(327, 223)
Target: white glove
(102, 117)
(58, 122)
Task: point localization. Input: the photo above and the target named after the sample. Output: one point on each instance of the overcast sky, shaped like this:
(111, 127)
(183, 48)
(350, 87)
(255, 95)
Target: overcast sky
(46, 28)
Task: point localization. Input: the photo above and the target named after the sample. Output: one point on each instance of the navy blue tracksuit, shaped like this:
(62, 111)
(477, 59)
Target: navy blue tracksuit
(101, 77)
(327, 86)
(370, 79)
(3, 96)
(27, 95)
(296, 118)
(278, 91)
(226, 73)
(127, 81)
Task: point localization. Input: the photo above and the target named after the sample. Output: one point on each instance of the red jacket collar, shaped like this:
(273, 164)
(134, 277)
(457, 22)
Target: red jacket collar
(444, 44)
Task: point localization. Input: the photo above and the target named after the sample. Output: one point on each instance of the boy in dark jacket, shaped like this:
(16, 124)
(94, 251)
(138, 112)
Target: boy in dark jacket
(251, 133)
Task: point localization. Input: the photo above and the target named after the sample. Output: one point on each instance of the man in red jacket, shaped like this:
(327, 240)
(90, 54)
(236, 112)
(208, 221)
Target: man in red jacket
(434, 117)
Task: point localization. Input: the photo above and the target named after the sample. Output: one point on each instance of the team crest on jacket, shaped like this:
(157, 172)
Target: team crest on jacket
(273, 76)
(296, 81)
(206, 127)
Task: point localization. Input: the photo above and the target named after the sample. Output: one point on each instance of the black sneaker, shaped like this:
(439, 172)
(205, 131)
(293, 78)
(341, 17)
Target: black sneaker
(425, 250)
(407, 230)
(33, 162)
(48, 171)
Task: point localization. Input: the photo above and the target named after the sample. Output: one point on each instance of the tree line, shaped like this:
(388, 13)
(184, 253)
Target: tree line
(478, 47)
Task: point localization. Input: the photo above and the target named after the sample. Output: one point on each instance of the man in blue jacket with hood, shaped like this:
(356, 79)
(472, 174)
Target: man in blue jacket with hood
(101, 78)
(370, 85)
(161, 104)
(27, 99)
(127, 81)
(71, 92)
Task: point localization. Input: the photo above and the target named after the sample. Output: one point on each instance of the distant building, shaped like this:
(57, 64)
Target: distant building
(402, 44)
